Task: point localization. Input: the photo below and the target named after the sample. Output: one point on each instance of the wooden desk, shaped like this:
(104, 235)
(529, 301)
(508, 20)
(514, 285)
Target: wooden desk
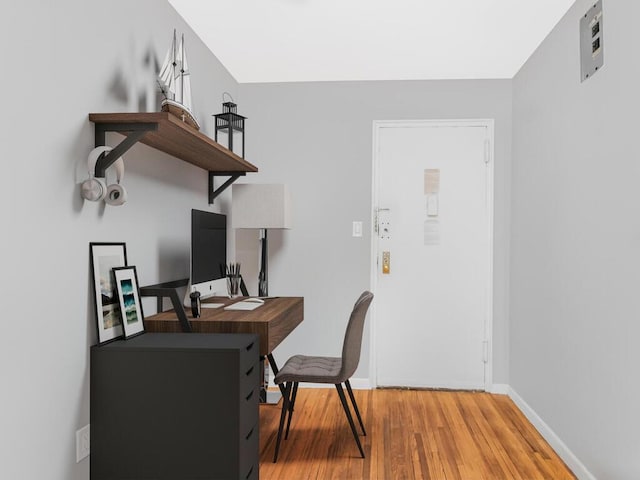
(272, 321)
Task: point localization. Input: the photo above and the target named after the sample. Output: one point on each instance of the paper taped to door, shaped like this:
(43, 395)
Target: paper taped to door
(431, 181)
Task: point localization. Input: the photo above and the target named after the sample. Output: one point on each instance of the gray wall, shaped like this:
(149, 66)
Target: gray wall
(575, 263)
(317, 138)
(565, 306)
(63, 60)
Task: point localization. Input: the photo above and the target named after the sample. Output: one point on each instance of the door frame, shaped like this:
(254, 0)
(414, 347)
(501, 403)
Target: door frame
(378, 125)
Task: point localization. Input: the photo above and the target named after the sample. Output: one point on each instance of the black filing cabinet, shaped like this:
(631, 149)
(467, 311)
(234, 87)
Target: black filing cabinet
(169, 406)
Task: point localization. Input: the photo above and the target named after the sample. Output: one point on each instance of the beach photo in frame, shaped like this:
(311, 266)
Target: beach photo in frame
(126, 280)
(104, 257)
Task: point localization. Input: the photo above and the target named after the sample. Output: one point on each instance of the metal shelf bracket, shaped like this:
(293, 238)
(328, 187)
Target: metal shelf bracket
(133, 133)
(213, 193)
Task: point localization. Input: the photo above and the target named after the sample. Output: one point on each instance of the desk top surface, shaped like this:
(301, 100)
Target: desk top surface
(270, 311)
(272, 321)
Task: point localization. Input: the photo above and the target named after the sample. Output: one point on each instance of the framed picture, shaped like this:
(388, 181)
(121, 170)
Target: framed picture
(104, 257)
(126, 279)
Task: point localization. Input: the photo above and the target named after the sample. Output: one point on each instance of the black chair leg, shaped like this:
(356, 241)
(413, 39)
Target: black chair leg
(355, 406)
(285, 407)
(291, 407)
(349, 417)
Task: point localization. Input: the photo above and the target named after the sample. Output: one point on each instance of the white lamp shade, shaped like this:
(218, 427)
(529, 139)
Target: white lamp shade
(260, 206)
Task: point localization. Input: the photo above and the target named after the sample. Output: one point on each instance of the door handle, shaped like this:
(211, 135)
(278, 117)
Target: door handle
(383, 223)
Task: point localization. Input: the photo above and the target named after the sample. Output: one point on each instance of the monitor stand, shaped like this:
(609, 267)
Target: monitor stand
(213, 288)
(170, 289)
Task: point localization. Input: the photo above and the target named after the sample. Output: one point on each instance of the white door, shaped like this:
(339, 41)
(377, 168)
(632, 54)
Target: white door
(433, 197)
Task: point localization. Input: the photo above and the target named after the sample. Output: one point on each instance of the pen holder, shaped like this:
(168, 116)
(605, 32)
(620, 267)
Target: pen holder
(233, 285)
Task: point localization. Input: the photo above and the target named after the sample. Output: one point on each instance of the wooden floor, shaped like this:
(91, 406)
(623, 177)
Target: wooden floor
(411, 434)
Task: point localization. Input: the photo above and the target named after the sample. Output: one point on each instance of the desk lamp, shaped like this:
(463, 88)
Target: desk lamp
(263, 207)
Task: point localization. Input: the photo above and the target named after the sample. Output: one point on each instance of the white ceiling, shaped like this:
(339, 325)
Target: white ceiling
(324, 40)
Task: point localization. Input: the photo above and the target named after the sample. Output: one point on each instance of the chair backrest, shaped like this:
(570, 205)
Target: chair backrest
(353, 336)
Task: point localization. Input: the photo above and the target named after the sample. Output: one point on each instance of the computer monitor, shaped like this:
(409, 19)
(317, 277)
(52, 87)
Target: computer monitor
(208, 253)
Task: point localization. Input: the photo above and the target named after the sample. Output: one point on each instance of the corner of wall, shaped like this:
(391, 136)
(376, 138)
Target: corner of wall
(576, 466)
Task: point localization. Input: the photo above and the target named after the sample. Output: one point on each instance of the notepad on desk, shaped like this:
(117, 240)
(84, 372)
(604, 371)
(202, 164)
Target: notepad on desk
(249, 304)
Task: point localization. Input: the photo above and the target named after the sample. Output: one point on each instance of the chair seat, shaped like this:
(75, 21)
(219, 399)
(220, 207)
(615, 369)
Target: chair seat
(303, 368)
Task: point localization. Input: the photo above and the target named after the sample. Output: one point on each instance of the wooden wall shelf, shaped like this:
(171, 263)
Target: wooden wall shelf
(168, 134)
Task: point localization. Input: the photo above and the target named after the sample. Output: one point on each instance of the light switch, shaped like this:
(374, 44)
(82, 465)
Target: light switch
(357, 229)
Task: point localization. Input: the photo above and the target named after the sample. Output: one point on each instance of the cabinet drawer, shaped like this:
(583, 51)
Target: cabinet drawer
(249, 354)
(253, 472)
(249, 379)
(249, 413)
(249, 448)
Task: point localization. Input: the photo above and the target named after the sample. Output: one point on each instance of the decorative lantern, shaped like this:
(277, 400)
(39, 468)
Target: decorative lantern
(230, 121)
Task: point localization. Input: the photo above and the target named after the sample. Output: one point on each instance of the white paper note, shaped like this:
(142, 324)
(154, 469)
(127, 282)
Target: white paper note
(431, 181)
(432, 232)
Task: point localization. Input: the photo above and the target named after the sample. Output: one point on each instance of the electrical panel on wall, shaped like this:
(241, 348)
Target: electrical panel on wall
(591, 42)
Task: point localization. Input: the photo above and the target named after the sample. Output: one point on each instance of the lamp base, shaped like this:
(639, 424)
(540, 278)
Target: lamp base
(263, 282)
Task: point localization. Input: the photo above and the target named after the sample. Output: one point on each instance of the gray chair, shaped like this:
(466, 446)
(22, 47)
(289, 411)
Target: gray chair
(335, 370)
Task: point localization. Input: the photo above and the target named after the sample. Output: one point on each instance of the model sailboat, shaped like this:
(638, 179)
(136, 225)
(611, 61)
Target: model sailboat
(176, 84)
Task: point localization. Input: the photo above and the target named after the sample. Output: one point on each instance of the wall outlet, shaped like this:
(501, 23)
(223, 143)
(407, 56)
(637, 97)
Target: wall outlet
(83, 443)
(591, 41)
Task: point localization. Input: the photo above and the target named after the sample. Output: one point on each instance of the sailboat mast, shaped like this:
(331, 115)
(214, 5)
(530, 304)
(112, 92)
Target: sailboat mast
(182, 69)
(173, 70)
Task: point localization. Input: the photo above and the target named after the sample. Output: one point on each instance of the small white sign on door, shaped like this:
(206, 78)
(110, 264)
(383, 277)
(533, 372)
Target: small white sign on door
(431, 191)
(431, 181)
(431, 232)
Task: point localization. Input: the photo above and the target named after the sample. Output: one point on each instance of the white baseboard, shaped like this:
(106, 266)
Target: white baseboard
(360, 384)
(500, 389)
(576, 466)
